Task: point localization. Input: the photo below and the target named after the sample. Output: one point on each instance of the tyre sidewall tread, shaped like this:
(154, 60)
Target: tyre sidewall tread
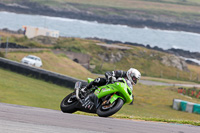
(115, 109)
(70, 108)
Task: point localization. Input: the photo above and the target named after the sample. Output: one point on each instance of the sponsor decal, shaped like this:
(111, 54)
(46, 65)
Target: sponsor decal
(103, 89)
(97, 90)
(91, 107)
(106, 90)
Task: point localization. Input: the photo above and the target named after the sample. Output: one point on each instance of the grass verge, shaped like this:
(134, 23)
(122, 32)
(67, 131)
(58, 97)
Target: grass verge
(56, 63)
(22, 90)
(196, 123)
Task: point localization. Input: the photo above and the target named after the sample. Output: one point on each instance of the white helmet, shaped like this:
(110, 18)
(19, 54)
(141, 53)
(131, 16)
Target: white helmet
(133, 75)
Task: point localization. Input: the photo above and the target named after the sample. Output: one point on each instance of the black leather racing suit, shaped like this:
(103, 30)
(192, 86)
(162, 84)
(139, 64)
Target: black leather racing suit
(108, 75)
(91, 100)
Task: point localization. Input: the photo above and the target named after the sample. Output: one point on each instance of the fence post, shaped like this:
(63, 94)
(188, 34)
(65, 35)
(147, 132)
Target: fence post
(7, 47)
(177, 75)
(190, 75)
(101, 66)
(115, 67)
(0, 43)
(161, 74)
(197, 77)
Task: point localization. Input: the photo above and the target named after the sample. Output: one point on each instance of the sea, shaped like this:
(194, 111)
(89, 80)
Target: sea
(84, 29)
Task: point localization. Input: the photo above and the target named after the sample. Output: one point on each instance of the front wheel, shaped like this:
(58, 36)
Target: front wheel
(108, 110)
(69, 103)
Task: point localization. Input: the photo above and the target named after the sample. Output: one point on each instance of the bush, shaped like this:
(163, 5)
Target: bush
(198, 94)
(192, 92)
(184, 91)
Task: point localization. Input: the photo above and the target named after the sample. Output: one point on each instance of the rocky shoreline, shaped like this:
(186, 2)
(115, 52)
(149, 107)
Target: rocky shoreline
(177, 52)
(34, 8)
(76, 11)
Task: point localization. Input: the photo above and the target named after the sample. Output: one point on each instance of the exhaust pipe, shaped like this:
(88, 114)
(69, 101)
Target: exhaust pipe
(77, 95)
(77, 88)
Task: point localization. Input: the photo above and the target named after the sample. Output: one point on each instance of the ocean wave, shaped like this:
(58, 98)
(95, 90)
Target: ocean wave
(175, 32)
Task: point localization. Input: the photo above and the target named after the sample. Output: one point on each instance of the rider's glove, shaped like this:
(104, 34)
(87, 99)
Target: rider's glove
(111, 79)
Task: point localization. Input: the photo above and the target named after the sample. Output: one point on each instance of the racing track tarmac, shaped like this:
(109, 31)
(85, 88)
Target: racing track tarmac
(24, 119)
(157, 83)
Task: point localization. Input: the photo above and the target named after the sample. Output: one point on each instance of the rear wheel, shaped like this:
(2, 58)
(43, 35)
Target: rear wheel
(105, 110)
(68, 104)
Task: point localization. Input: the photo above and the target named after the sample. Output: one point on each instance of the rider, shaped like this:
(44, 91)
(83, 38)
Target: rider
(132, 76)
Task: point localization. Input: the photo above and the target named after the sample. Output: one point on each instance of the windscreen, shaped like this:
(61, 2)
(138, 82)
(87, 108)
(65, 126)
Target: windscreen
(31, 57)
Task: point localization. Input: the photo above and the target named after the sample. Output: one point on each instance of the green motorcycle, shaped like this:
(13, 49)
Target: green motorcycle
(107, 99)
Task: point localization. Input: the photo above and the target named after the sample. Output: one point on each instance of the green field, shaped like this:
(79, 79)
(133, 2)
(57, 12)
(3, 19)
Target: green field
(151, 102)
(22, 90)
(170, 5)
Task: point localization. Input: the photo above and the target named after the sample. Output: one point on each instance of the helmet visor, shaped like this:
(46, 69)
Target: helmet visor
(134, 79)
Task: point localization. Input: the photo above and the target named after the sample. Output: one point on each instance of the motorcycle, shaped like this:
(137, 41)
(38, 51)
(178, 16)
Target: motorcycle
(107, 99)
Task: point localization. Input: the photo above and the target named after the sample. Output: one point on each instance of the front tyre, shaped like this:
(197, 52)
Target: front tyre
(108, 110)
(68, 104)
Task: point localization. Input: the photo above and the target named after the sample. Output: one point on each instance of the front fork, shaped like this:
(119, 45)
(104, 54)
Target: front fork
(110, 99)
(115, 97)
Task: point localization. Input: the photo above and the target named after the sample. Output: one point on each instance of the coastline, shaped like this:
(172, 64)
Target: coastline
(134, 21)
(190, 57)
(178, 52)
(36, 9)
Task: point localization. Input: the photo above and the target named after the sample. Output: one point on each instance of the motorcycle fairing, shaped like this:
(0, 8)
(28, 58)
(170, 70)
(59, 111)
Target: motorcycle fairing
(90, 80)
(120, 87)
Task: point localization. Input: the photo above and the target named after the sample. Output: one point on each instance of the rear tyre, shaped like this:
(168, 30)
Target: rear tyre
(108, 110)
(68, 104)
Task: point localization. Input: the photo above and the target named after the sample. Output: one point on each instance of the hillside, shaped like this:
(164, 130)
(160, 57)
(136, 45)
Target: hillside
(159, 14)
(56, 63)
(106, 57)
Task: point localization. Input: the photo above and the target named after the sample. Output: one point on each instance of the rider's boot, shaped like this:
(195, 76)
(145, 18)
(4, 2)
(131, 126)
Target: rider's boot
(90, 102)
(87, 103)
